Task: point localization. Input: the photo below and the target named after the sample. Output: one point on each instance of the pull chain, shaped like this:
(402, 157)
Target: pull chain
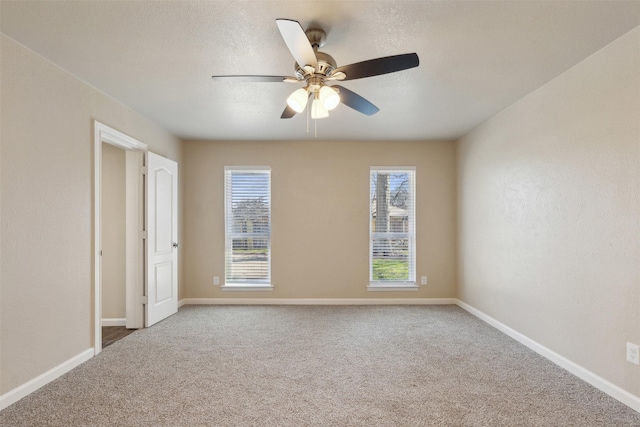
(308, 114)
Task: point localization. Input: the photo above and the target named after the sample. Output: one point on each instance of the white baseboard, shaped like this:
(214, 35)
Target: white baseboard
(114, 322)
(29, 387)
(598, 382)
(316, 301)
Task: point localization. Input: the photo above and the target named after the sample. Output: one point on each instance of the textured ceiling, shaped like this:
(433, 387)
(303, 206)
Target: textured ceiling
(157, 57)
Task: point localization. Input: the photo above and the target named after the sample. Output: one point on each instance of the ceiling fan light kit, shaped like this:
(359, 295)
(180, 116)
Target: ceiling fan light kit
(298, 100)
(316, 68)
(329, 97)
(318, 111)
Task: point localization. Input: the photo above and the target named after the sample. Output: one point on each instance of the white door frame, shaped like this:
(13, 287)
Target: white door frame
(134, 159)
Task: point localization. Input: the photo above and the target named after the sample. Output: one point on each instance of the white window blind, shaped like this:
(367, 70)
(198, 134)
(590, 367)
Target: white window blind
(392, 226)
(247, 226)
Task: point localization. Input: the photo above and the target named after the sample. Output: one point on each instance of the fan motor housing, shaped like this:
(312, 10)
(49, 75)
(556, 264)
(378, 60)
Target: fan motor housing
(326, 64)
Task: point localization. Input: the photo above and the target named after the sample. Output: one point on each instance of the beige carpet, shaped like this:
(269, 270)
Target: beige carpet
(318, 366)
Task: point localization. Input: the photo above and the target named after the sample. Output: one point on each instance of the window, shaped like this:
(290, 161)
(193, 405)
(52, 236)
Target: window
(392, 228)
(247, 227)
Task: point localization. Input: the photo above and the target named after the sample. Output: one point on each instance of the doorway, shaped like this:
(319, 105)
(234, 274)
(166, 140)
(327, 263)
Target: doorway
(128, 243)
(113, 318)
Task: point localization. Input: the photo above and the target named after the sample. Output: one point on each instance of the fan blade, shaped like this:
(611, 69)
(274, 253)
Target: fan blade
(355, 101)
(288, 113)
(378, 66)
(255, 79)
(297, 42)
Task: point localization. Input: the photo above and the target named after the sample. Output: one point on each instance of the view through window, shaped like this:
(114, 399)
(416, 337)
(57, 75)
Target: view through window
(247, 226)
(392, 226)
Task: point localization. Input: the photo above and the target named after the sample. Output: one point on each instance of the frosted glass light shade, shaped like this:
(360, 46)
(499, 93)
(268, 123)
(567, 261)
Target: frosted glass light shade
(318, 111)
(298, 100)
(329, 97)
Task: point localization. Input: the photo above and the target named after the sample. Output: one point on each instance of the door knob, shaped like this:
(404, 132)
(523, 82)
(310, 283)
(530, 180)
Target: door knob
(176, 245)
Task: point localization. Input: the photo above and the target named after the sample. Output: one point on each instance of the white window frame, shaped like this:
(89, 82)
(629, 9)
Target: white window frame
(248, 284)
(401, 285)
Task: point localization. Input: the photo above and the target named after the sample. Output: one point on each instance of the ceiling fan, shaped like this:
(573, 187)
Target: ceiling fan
(316, 68)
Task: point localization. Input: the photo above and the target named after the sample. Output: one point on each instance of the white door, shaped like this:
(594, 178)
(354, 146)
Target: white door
(162, 239)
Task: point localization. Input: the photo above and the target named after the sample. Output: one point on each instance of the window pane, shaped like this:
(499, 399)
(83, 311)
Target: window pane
(390, 202)
(249, 259)
(390, 259)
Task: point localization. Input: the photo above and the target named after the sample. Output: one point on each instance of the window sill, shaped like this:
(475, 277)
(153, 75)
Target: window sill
(392, 287)
(246, 287)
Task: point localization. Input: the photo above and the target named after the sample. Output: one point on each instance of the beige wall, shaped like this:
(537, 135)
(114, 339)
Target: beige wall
(320, 214)
(549, 214)
(46, 281)
(113, 232)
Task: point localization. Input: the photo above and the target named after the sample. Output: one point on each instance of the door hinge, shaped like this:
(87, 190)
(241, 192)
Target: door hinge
(144, 299)
(143, 170)
(143, 235)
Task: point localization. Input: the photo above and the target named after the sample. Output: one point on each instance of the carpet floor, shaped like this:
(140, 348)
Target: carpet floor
(318, 366)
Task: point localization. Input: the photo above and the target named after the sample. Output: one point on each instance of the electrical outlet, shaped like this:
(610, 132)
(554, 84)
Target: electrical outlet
(216, 280)
(633, 353)
(423, 280)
